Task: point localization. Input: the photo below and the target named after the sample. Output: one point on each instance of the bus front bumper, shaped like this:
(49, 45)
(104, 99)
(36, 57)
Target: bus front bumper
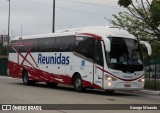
(130, 86)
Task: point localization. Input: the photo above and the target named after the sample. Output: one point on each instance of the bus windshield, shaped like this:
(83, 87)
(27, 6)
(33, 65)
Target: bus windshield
(125, 55)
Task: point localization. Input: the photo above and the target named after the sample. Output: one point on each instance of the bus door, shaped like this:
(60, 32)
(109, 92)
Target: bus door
(98, 65)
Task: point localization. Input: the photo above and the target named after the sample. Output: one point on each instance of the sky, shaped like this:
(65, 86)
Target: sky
(31, 17)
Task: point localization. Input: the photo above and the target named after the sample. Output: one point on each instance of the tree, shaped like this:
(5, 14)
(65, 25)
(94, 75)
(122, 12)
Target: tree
(142, 18)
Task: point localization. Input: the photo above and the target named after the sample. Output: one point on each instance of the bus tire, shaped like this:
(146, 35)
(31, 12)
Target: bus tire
(26, 80)
(49, 84)
(78, 85)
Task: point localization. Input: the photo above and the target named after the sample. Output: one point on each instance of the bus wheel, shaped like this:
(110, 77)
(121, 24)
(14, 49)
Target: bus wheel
(78, 85)
(26, 80)
(49, 84)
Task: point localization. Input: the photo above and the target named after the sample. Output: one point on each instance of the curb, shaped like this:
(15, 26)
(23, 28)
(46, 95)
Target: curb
(150, 92)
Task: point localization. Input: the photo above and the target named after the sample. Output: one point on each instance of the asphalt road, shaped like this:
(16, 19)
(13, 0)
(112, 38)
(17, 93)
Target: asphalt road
(12, 91)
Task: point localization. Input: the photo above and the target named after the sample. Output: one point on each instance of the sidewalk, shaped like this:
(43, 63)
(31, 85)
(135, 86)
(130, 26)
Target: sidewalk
(150, 92)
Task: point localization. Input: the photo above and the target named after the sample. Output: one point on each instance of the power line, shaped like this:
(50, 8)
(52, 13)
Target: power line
(77, 2)
(86, 3)
(87, 12)
(75, 10)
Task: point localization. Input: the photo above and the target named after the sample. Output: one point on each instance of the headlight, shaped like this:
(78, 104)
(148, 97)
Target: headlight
(141, 80)
(110, 78)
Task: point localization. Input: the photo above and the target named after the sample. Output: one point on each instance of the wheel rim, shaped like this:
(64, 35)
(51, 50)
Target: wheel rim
(78, 83)
(25, 78)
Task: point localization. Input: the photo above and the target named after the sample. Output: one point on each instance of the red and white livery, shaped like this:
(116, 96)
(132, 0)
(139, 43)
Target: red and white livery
(92, 57)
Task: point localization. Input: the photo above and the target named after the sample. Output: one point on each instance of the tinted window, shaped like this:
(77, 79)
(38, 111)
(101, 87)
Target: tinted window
(85, 46)
(14, 45)
(45, 44)
(98, 53)
(30, 44)
(64, 44)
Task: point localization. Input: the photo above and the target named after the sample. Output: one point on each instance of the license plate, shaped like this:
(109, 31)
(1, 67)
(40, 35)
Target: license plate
(127, 85)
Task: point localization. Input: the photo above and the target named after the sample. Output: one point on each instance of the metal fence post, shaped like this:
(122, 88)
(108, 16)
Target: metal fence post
(155, 83)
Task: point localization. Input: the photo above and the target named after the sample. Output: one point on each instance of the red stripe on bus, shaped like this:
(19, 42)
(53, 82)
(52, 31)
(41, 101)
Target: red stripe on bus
(92, 35)
(118, 77)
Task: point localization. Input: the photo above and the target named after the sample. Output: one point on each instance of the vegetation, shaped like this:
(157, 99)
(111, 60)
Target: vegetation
(142, 18)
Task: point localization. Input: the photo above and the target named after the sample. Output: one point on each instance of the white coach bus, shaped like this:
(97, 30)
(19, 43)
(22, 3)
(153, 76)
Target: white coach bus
(92, 57)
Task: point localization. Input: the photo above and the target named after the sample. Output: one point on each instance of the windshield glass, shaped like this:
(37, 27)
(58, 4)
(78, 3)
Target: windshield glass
(125, 55)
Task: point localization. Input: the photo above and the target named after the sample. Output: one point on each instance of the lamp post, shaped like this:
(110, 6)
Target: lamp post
(53, 23)
(8, 28)
(9, 22)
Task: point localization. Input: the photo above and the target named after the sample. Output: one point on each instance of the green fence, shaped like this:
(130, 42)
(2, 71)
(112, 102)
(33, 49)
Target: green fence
(3, 66)
(152, 74)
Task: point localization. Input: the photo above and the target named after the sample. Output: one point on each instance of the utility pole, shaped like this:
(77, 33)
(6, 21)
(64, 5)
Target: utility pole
(8, 28)
(9, 23)
(53, 23)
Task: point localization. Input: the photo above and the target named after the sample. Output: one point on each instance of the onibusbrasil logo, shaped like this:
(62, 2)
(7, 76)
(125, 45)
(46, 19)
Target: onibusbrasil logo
(21, 107)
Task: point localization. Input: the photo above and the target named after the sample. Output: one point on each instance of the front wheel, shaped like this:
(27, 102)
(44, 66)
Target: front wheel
(78, 85)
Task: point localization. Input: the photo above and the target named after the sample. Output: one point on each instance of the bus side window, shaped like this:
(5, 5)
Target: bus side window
(11, 50)
(34, 46)
(64, 44)
(45, 45)
(85, 46)
(98, 54)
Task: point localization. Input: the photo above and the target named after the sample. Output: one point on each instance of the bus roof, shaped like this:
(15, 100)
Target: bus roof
(103, 31)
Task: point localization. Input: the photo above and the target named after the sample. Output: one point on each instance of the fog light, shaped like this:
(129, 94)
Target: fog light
(109, 84)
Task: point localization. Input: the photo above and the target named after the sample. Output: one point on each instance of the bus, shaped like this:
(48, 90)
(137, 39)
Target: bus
(98, 57)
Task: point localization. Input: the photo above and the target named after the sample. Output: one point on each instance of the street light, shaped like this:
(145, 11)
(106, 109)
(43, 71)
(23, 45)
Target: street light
(8, 26)
(53, 23)
(9, 22)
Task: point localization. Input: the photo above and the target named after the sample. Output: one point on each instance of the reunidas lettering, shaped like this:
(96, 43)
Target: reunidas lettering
(56, 59)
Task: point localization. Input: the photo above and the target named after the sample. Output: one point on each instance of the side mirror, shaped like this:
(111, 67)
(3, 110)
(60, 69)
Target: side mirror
(107, 44)
(148, 46)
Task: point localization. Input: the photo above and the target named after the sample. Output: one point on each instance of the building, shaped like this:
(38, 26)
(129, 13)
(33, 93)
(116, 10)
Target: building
(3, 42)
